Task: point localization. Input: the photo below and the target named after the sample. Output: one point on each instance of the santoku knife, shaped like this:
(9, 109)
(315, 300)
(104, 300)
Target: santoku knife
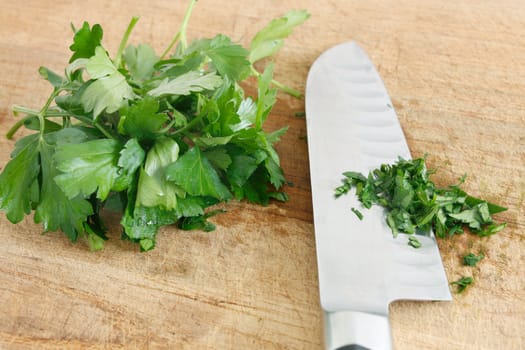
(352, 125)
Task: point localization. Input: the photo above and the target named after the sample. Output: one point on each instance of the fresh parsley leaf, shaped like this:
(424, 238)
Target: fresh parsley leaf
(270, 39)
(109, 90)
(142, 120)
(219, 157)
(85, 41)
(186, 83)
(107, 94)
(241, 168)
(140, 60)
(55, 210)
(131, 157)
(56, 80)
(230, 60)
(17, 177)
(266, 96)
(204, 180)
(88, 167)
(100, 65)
(153, 189)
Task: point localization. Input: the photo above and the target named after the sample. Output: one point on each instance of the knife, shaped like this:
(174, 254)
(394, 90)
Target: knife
(352, 125)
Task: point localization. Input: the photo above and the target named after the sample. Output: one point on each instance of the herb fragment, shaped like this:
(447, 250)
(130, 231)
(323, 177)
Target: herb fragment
(357, 213)
(472, 259)
(159, 138)
(463, 283)
(414, 203)
(414, 242)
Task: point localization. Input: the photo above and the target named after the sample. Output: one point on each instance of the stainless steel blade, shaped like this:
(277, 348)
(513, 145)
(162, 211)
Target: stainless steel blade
(352, 125)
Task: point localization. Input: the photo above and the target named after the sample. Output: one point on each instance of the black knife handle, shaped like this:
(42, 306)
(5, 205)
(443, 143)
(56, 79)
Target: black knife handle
(353, 347)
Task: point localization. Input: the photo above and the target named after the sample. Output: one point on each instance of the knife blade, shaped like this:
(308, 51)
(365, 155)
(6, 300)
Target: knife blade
(362, 268)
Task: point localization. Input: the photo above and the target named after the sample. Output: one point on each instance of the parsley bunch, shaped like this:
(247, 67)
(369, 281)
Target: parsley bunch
(414, 203)
(161, 138)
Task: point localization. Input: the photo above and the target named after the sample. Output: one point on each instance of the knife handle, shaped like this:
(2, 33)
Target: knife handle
(352, 330)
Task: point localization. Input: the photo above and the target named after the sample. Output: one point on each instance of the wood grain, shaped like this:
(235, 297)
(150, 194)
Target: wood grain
(455, 73)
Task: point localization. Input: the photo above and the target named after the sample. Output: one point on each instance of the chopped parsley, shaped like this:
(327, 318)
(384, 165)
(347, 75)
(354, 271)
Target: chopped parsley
(415, 204)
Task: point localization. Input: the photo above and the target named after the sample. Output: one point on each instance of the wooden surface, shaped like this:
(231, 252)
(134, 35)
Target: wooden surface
(456, 74)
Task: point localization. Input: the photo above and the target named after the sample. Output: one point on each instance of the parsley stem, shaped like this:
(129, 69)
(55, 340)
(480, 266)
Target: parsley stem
(181, 34)
(188, 126)
(124, 41)
(97, 125)
(167, 127)
(17, 126)
(21, 109)
(286, 89)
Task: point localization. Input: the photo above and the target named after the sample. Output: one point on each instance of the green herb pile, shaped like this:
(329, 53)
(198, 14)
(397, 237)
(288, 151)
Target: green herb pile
(161, 138)
(414, 203)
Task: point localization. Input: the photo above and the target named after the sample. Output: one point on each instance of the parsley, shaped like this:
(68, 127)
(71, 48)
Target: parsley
(415, 204)
(463, 283)
(472, 259)
(414, 242)
(162, 138)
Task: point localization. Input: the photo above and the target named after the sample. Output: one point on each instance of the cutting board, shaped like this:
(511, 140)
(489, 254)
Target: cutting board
(456, 76)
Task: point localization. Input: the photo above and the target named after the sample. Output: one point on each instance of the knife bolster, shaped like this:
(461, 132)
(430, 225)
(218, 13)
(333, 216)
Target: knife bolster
(352, 330)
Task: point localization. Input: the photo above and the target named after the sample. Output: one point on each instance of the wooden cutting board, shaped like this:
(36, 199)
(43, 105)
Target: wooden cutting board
(456, 74)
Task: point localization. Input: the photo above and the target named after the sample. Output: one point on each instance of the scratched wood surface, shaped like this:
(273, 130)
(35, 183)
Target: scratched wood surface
(456, 76)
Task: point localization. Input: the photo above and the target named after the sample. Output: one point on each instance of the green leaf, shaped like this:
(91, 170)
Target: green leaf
(463, 283)
(88, 167)
(34, 124)
(357, 213)
(107, 94)
(199, 222)
(414, 242)
(17, 178)
(140, 61)
(186, 83)
(472, 259)
(229, 59)
(255, 189)
(241, 168)
(100, 65)
(85, 41)
(109, 90)
(142, 119)
(276, 173)
(195, 174)
(153, 189)
(472, 201)
(55, 210)
(474, 217)
(266, 97)
(247, 113)
(219, 157)
(175, 67)
(403, 192)
(270, 39)
(56, 80)
(144, 222)
(131, 157)
(72, 103)
(208, 142)
(95, 242)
